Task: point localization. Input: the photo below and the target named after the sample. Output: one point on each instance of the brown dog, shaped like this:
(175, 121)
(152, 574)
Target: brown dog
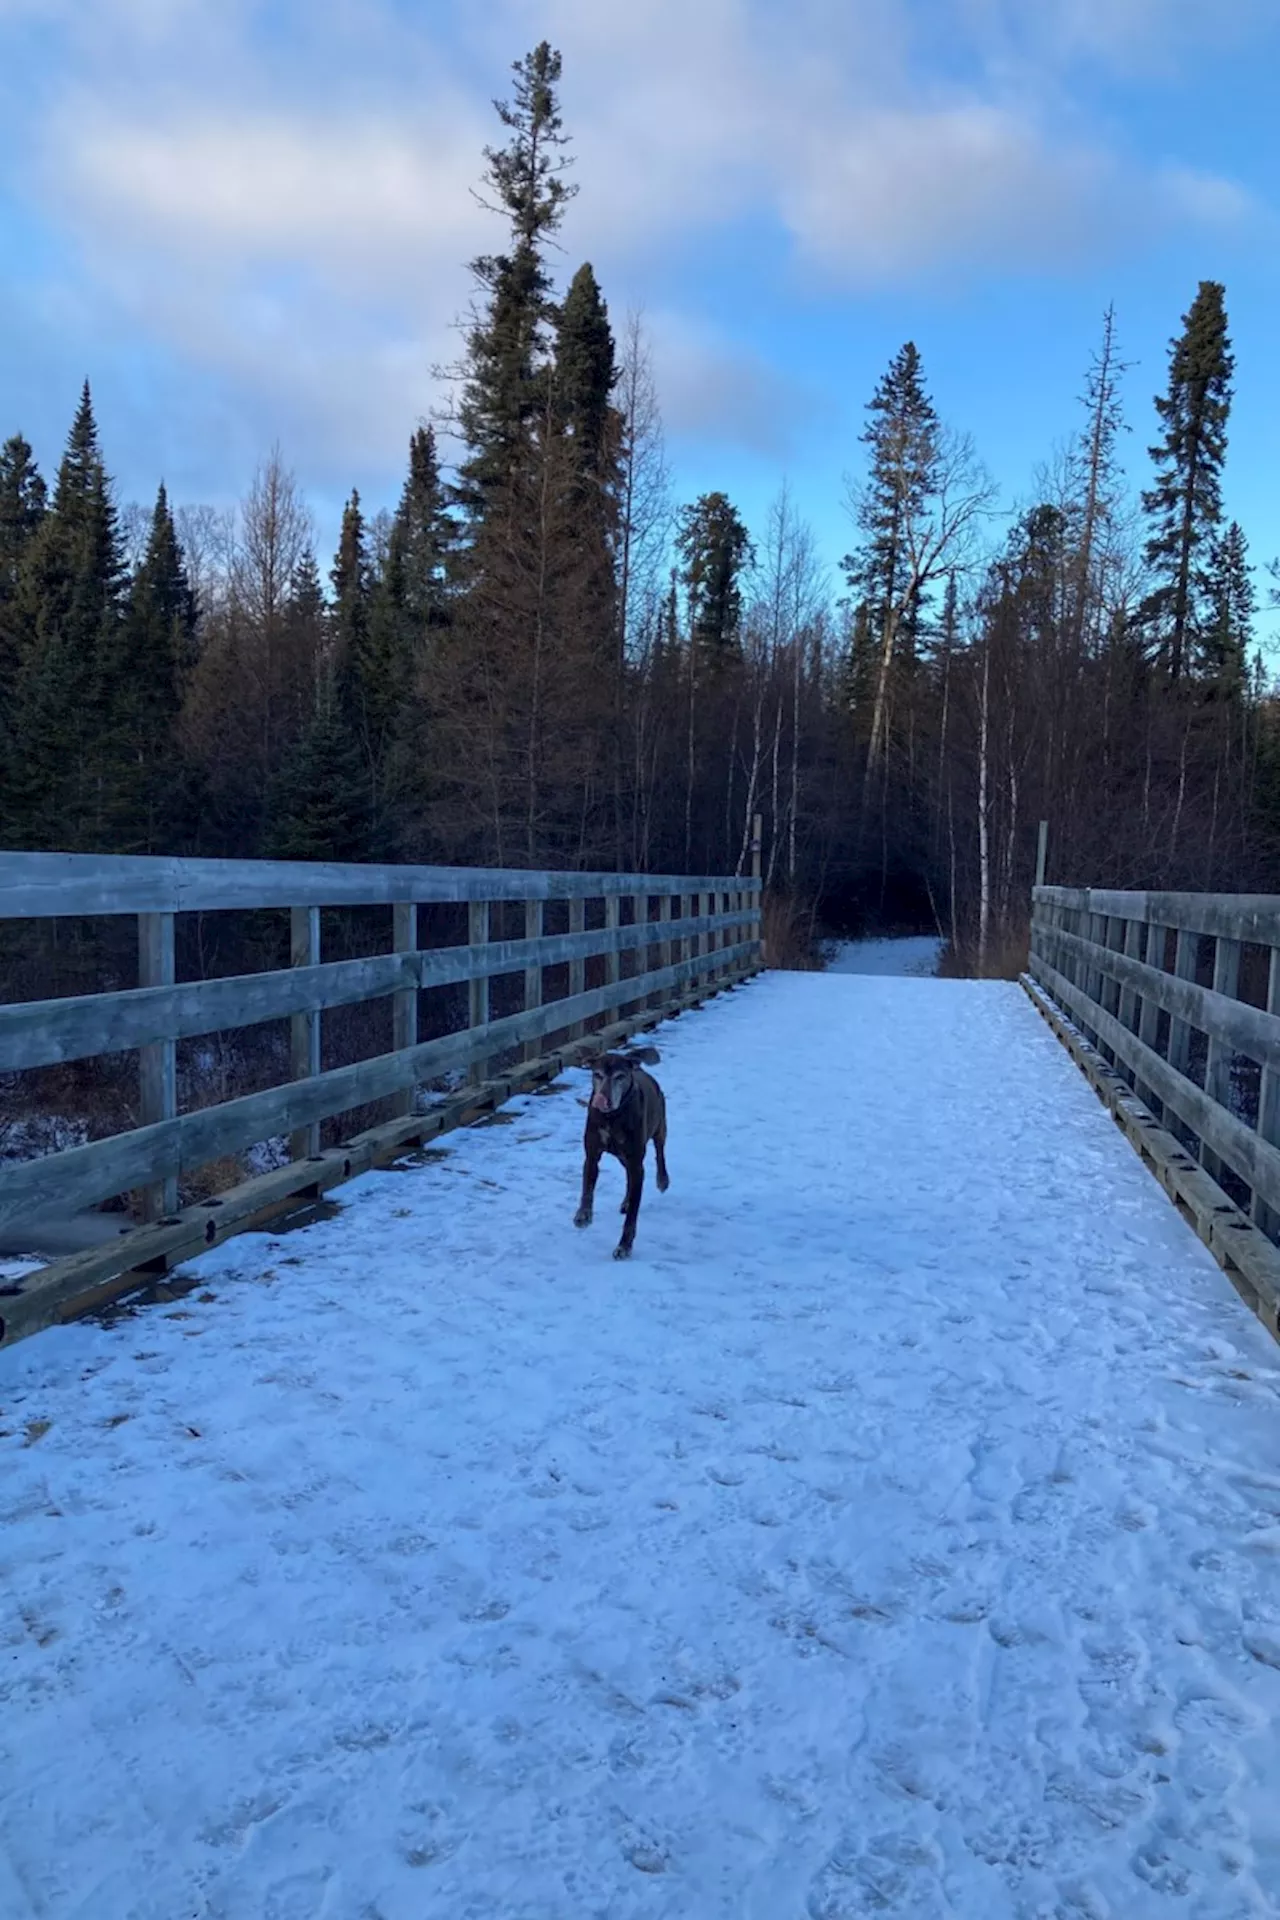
(626, 1111)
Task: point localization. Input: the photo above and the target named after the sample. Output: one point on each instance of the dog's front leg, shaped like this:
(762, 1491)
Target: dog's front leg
(590, 1174)
(635, 1187)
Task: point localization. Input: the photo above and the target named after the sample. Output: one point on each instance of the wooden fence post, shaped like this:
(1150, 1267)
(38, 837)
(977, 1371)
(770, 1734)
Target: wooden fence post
(641, 953)
(1184, 966)
(1042, 852)
(1217, 1072)
(304, 1028)
(533, 975)
(659, 997)
(158, 1064)
(577, 968)
(612, 921)
(404, 1016)
(478, 935)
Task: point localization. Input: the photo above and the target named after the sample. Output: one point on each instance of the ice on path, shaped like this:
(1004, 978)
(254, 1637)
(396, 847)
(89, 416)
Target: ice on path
(899, 1533)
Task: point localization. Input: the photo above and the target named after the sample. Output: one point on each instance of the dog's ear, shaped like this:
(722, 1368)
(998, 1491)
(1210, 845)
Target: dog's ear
(645, 1056)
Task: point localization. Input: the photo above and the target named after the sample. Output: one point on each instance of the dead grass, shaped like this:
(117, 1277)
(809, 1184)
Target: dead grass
(790, 940)
(1006, 958)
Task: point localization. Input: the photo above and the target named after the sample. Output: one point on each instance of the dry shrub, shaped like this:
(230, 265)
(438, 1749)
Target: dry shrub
(1006, 957)
(790, 943)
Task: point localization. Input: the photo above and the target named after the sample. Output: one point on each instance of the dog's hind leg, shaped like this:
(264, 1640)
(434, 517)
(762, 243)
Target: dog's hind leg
(635, 1188)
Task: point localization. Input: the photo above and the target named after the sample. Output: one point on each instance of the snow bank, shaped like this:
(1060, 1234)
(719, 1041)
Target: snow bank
(898, 1533)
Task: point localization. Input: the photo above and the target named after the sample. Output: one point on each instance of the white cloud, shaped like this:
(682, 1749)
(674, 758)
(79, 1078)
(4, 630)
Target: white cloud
(283, 198)
(720, 393)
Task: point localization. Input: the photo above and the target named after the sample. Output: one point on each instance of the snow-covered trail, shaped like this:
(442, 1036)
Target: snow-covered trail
(899, 1533)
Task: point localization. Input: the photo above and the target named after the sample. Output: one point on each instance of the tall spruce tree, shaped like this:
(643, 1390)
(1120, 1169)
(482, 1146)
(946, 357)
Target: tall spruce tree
(504, 392)
(1226, 636)
(23, 500)
(69, 597)
(585, 375)
(319, 799)
(1184, 507)
(140, 666)
(715, 549)
(902, 438)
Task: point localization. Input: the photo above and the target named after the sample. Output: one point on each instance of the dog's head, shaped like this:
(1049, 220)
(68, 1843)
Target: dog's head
(613, 1077)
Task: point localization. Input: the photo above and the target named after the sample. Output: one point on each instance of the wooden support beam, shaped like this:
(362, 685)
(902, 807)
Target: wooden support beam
(533, 921)
(157, 1064)
(304, 1028)
(478, 994)
(404, 939)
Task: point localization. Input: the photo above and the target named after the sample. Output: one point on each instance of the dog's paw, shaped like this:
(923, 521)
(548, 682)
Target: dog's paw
(582, 1218)
(621, 1252)
(663, 1183)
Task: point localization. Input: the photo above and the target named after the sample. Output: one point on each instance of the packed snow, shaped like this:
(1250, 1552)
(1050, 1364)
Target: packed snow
(916, 955)
(898, 1533)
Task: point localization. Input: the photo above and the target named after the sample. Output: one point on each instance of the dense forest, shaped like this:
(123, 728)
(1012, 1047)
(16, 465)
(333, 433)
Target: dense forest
(540, 658)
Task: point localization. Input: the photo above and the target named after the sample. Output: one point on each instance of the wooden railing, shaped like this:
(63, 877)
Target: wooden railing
(1179, 993)
(682, 937)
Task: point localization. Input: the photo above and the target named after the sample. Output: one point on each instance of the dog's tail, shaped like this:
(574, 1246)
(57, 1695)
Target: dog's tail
(645, 1056)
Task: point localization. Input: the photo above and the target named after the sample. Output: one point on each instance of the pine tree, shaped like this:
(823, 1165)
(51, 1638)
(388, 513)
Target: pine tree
(504, 395)
(1230, 606)
(141, 665)
(1185, 505)
(69, 597)
(22, 509)
(715, 548)
(902, 436)
(416, 579)
(585, 375)
(319, 804)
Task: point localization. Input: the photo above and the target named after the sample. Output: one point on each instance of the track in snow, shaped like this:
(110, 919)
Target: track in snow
(898, 1534)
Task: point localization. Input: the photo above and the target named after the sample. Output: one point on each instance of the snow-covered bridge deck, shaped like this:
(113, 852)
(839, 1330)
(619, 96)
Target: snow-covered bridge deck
(899, 1533)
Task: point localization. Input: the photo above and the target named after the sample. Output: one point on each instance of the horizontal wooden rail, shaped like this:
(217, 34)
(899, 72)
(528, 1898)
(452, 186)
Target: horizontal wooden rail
(1232, 916)
(1254, 1160)
(62, 885)
(1243, 1027)
(47, 1032)
(81, 1176)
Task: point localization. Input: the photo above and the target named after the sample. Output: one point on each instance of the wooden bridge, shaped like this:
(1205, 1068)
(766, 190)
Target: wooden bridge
(895, 1533)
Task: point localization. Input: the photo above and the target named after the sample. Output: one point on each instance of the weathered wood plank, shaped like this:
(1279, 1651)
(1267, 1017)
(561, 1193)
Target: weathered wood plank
(158, 1063)
(304, 1028)
(1253, 917)
(1217, 1073)
(478, 928)
(1269, 1101)
(80, 1176)
(1250, 1158)
(404, 1007)
(52, 885)
(533, 924)
(1235, 1024)
(39, 1033)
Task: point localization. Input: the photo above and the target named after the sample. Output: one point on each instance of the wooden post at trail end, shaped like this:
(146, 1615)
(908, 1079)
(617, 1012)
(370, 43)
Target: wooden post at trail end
(1042, 850)
(757, 823)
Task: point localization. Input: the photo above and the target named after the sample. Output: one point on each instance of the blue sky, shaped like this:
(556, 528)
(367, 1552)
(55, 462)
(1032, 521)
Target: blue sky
(246, 221)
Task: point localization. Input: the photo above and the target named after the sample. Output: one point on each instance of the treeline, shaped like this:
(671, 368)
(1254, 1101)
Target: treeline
(537, 660)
